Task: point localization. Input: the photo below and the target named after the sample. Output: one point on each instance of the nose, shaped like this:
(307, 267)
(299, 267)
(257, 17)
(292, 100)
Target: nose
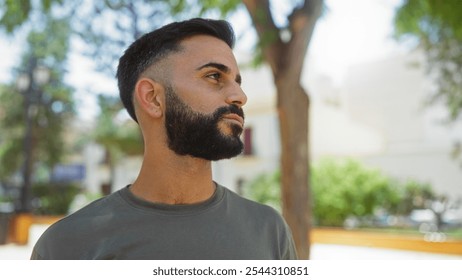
(236, 96)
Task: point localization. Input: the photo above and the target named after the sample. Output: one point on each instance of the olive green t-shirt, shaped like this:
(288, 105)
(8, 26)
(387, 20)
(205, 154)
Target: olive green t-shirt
(122, 226)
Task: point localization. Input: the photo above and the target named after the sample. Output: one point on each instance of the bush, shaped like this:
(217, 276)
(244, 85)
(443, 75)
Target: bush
(340, 189)
(266, 189)
(345, 188)
(414, 195)
(53, 199)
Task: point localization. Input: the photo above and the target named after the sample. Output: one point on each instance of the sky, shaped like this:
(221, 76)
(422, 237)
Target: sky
(351, 32)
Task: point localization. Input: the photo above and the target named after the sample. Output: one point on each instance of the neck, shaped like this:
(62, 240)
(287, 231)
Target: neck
(171, 179)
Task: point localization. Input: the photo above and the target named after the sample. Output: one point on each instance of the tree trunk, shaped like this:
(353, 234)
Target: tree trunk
(293, 112)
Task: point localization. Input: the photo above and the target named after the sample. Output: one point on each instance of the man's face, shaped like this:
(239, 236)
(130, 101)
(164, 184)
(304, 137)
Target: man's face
(203, 116)
(193, 133)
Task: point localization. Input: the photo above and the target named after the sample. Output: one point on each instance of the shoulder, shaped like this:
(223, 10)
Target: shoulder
(259, 213)
(75, 231)
(94, 210)
(247, 204)
(266, 219)
(97, 210)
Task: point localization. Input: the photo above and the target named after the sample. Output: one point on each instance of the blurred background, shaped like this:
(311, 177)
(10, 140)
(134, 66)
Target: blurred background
(384, 80)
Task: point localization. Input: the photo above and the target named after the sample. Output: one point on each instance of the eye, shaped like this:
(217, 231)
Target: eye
(214, 76)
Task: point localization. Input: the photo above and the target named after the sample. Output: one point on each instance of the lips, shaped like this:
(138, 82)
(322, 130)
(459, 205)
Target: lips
(234, 118)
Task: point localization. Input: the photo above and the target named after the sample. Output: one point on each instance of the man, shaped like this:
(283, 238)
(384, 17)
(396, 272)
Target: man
(181, 83)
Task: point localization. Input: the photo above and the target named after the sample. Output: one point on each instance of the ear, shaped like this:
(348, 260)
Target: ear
(149, 96)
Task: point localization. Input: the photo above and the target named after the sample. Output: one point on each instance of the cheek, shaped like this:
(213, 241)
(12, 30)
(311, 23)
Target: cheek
(199, 94)
(204, 106)
(199, 98)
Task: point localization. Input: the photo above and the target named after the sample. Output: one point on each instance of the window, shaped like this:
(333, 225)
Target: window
(248, 151)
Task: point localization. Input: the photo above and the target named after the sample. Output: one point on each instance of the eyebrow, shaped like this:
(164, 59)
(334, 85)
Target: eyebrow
(222, 68)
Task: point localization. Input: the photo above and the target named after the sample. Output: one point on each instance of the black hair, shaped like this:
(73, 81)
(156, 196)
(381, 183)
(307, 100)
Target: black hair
(153, 46)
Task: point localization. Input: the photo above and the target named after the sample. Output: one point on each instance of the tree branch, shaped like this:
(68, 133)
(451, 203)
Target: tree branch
(267, 31)
(285, 58)
(302, 22)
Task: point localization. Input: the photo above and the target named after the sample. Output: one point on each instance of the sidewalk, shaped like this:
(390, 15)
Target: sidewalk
(22, 252)
(344, 252)
(318, 251)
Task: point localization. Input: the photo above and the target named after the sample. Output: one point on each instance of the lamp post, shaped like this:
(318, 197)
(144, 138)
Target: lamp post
(29, 85)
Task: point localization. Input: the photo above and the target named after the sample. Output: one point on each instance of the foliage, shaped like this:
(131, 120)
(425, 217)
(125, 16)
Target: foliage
(6, 198)
(266, 189)
(54, 199)
(18, 11)
(110, 26)
(437, 28)
(12, 132)
(51, 105)
(118, 137)
(345, 188)
(414, 195)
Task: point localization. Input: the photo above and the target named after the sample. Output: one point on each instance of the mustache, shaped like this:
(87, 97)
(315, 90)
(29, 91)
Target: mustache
(231, 109)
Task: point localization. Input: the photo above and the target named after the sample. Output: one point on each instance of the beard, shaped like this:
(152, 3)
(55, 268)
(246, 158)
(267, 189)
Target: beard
(193, 133)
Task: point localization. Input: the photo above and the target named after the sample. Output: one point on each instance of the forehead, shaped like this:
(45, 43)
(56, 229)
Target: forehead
(201, 49)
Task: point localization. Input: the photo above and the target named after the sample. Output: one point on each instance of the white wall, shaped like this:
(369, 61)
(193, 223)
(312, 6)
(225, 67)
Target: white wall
(390, 95)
